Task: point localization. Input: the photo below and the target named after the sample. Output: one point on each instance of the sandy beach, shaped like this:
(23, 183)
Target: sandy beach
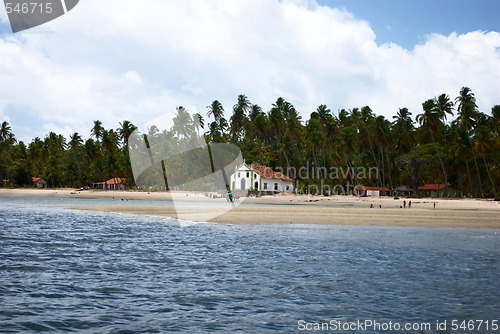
(301, 209)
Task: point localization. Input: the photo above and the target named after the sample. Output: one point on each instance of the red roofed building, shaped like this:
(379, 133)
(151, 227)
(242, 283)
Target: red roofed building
(371, 191)
(433, 189)
(115, 183)
(39, 182)
(260, 178)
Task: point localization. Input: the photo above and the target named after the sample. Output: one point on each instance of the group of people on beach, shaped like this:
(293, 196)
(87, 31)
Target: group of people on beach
(402, 206)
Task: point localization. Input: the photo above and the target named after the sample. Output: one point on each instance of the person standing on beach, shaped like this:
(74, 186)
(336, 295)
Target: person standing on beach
(404, 204)
(434, 205)
(409, 205)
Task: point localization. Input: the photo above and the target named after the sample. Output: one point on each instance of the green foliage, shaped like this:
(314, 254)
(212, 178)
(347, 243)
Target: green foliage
(434, 148)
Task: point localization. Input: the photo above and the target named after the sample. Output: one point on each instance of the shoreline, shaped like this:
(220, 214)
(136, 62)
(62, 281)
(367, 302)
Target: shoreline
(323, 216)
(298, 209)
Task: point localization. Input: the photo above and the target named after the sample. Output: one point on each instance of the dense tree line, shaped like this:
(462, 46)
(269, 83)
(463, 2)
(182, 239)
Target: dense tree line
(430, 148)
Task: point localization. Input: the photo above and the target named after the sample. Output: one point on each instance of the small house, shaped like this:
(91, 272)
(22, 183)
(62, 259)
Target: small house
(371, 191)
(39, 182)
(115, 183)
(260, 178)
(433, 189)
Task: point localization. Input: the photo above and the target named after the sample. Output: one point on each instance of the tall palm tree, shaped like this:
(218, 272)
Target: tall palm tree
(183, 123)
(460, 148)
(97, 130)
(366, 116)
(256, 128)
(239, 118)
(444, 107)
(484, 144)
(315, 139)
(430, 120)
(76, 149)
(404, 130)
(125, 131)
(381, 130)
(243, 104)
(466, 96)
(76, 141)
(198, 122)
(216, 109)
(5, 131)
(467, 119)
(277, 125)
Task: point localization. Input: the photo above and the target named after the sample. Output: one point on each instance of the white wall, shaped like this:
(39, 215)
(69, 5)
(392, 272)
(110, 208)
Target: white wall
(282, 185)
(249, 180)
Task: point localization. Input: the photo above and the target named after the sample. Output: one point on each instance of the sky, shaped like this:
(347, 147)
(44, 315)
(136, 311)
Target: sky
(115, 60)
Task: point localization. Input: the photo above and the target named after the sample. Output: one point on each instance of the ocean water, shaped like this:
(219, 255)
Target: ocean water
(63, 270)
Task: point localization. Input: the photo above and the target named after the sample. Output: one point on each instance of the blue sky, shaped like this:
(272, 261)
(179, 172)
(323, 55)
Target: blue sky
(407, 22)
(137, 64)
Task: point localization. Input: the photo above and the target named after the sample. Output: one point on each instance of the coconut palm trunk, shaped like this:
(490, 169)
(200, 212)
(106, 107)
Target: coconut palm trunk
(442, 165)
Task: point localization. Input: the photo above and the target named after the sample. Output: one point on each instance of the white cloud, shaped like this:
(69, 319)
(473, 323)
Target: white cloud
(117, 60)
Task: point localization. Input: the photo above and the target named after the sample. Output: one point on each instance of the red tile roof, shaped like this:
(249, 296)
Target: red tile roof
(115, 180)
(268, 173)
(370, 188)
(433, 186)
(37, 180)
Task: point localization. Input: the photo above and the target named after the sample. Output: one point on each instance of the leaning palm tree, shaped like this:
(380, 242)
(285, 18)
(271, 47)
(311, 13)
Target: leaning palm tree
(198, 122)
(5, 131)
(430, 120)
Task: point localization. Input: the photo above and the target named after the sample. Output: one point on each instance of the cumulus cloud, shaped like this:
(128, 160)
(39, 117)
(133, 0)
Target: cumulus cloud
(117, 60)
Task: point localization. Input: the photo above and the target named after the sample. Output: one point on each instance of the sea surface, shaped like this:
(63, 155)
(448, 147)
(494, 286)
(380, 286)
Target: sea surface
(64, 270)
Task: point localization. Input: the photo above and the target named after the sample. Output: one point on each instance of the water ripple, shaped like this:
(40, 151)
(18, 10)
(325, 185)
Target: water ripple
(62, 270)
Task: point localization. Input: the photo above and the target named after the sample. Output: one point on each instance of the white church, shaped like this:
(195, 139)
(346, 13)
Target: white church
(260, 178)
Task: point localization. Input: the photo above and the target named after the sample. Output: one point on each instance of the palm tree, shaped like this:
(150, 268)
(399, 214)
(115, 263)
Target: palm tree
(5, 131)
(466, 96)
(459, 148)
(239, 118)
(216, 109)
(467, 119)
(444, 107)
(183, 123)
(97, 130)
(198, 122)
(484, 144)
(277, 125)
(76, 148)
(125, 131)
(243, 104)
(75, 141)
(366, 123)
(430, 120)
(381, 129)
(404, 130)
